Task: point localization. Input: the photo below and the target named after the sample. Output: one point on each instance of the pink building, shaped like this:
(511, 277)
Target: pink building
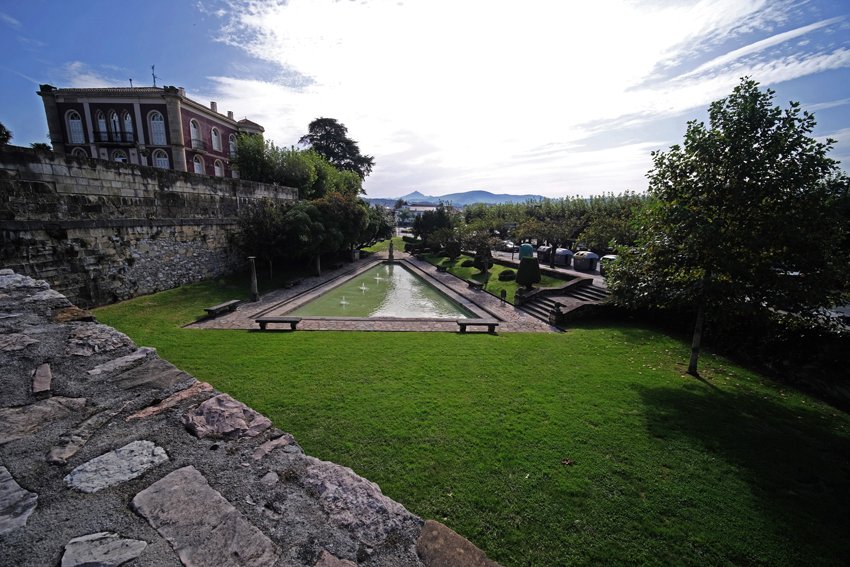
(153, 126)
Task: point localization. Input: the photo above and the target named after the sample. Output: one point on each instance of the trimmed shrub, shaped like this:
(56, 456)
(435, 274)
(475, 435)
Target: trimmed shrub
(467, 263)
(507, 275)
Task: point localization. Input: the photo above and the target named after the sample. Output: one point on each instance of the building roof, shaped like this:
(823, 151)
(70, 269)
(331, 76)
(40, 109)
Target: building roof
(102, 90)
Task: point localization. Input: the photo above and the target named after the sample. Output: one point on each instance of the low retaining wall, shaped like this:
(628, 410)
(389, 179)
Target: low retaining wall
(109, 454)
(100, 231)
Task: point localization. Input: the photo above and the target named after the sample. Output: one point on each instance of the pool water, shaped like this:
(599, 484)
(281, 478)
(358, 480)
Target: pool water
(386, 290)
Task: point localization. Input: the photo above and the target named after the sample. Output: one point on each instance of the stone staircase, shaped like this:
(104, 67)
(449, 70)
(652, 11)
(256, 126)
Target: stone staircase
(541, 305)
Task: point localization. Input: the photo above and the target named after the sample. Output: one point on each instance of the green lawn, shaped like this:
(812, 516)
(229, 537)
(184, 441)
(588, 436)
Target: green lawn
(491, 281)
(472, 430)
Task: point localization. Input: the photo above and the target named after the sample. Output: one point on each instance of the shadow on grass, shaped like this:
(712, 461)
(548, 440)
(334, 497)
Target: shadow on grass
(795, 461)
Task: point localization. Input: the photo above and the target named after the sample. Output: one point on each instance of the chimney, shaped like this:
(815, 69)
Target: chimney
(182, 92)
(230, 114)
(214, 106)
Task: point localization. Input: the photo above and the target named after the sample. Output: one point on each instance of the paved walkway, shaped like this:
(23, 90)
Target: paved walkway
(283, 300)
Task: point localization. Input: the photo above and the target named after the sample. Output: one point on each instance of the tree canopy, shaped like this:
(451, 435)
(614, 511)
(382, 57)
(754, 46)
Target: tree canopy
(329, 138)
(745, 216)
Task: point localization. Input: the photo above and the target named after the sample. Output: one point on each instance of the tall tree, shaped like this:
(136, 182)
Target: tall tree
(5, 135)
(329, 138)
(744, 217)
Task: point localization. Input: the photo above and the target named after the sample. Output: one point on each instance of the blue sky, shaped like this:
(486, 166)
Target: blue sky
(546, 97)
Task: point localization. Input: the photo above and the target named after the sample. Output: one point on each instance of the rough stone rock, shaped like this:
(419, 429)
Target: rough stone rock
(154, 373)
(103, 549)
(354, 503)
(72, 441)
(16, 504)
(440, 546)
(122, 363)
(19, 422)
(284, 440)
(87, 339)
(224, 417)
(72, 313)
(327, 559)
(270, 478)
(123, 464)
(195, 389)
(41, 379)
(201, 525)
(51, 296)
(11, 281)
(16, 341)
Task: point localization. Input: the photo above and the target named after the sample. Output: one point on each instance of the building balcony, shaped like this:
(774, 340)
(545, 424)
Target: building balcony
(199, 145)
(107, 137)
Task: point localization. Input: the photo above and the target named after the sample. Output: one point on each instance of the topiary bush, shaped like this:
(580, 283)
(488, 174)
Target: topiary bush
(507, 275)
(467, 263)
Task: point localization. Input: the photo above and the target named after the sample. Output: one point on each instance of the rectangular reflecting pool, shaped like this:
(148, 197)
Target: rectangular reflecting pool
(386, 290)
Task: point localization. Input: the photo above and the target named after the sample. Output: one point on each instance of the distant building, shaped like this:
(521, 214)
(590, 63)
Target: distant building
(418, 208)
(151, 126)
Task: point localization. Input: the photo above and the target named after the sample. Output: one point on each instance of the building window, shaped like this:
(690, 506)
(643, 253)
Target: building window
(75, 128)
(219, 168)
(198, 161)
(120, 156)
(128, 126)
(157, 129)
(234, 173)
(216, 139)
(80, 153)
(232, 142)
(195, 133)
(160, 159)
(114, 126)
(102, 135)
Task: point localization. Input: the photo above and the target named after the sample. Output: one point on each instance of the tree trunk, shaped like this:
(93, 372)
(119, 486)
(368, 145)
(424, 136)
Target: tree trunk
(318, 264)
(697, 340)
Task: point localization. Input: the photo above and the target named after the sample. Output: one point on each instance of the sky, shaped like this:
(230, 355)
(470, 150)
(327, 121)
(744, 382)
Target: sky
(548, 97)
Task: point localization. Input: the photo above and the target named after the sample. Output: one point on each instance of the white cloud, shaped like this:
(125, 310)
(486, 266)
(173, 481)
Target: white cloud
(10, 21)
(452, 95)
(77, 74)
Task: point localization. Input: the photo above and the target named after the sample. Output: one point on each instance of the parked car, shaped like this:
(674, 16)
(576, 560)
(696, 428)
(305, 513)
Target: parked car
(508, 246)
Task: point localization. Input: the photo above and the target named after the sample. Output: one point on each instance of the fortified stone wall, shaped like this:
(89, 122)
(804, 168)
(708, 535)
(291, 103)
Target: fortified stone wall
(101, 232)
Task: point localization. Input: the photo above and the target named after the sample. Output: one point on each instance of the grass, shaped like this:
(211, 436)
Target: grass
(398, 244)
(491, 281)
(473, 430)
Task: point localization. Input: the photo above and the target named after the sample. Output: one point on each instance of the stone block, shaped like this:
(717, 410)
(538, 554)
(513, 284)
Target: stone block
(440, 546)
(20, 422)
(115, 467)
(224, 417)
(16, 504)
(102, 549)
(201, 525)
(41, 379)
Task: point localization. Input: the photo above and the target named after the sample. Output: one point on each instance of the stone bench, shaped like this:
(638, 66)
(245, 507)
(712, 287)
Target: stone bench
(491, 324)
(264, 321)
(474, 284)
(225, 307)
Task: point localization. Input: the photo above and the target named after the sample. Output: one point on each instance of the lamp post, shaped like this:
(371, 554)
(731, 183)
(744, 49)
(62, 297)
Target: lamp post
(255, 295)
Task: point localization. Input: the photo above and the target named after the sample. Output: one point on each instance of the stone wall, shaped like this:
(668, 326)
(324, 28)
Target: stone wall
(109, 454)
(100, 231)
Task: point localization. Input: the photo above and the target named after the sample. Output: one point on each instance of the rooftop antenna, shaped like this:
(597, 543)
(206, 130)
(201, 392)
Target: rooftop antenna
(131, 83)
(153, 74)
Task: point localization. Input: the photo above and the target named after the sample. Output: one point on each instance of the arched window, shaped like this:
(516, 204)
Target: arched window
(160, 159)
(120, 156)
(157, 123)
(198, 161)
(80, 153)
(216, 139)
(75, 128)
(195, 133)
(102, 133)
(128, 127)
(232, 142)
(114, 125)
(219, 168)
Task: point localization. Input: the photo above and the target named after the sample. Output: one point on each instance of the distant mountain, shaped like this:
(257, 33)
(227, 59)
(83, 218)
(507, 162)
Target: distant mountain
(459, 199)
